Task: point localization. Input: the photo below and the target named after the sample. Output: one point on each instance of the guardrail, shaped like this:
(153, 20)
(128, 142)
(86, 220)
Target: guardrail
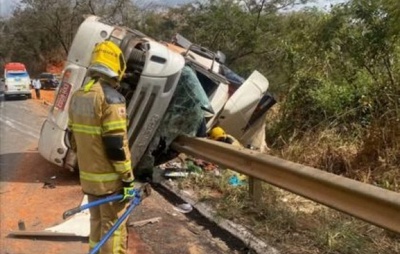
(367, 202)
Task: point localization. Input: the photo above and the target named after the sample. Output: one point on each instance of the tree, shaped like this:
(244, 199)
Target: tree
(41, 31)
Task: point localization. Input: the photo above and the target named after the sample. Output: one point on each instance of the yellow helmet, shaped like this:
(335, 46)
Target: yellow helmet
(217, 133)
(107, 58)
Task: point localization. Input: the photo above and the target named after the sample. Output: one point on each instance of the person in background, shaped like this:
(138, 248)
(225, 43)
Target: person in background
(98, 122)
(37, 86)
(219, 134)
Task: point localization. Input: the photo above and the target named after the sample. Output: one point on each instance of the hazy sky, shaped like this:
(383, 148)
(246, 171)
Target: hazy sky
(7, 5)
(325, 3)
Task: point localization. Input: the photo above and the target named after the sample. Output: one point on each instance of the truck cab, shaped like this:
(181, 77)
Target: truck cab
(171, 88)
(17, 81)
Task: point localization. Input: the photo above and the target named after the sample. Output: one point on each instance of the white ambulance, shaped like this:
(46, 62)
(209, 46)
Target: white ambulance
(17, 81)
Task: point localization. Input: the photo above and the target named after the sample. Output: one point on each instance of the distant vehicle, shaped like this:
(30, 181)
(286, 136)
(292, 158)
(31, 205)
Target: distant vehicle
(48, 80)
(2, 86)
(17, 80)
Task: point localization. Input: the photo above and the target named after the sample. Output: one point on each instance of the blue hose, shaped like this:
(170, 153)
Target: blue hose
(78, 209)
(102, 201)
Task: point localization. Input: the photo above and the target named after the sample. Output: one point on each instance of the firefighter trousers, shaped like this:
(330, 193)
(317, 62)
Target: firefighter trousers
(102, 218)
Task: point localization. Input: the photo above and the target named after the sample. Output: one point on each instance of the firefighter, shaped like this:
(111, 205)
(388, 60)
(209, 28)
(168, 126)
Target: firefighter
(97, 119)
(218, 134)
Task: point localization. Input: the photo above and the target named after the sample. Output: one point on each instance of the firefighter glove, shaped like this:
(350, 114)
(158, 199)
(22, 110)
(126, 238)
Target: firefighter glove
(128, 190)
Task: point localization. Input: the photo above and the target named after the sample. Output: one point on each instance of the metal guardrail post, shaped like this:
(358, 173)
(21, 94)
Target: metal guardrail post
(255, 190)
(367, 202)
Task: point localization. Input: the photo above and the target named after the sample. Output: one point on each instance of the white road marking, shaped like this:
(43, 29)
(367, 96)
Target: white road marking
(12, 125)
(29, 127)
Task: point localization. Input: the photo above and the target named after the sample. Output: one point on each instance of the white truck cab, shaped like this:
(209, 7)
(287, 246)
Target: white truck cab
(153, 78)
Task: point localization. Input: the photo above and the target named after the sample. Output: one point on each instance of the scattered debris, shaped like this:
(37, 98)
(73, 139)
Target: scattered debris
(39, 233)
(205, 165)
(76, 226)
(49, 185)
(184, 166)
(234, 180)
(172, 164)
(193, 168)
(184, 208)
(175, 173)
(144, 222)
(21, 225)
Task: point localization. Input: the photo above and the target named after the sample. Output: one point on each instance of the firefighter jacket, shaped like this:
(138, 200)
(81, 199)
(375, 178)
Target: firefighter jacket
(229, 139)
(97, 114)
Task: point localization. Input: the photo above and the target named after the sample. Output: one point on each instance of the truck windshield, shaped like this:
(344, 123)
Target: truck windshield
(16, 75)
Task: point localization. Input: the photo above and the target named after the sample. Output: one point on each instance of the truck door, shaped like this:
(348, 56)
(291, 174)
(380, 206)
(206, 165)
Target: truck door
(239, 108)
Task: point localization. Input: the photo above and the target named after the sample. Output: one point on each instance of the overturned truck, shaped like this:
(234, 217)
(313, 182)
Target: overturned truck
(171, 89)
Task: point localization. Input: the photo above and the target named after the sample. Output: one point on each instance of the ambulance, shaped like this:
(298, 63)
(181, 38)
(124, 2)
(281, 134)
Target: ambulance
(17, 81)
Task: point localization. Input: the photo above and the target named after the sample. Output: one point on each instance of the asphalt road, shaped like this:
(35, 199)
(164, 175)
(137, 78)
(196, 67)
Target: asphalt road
(2, 87)
(25, 198)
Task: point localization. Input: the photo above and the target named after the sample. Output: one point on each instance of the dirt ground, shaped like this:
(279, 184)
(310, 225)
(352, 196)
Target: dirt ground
(24, 176)
(46, 96)
(26, 198)
(18, 204)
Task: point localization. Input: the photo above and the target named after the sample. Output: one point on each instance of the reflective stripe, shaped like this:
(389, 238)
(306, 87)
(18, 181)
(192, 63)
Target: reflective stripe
(93, 177)
(117, 240)
(88, 85)
(114, 125)
(122, 167)
(88, 129)
(92, 244)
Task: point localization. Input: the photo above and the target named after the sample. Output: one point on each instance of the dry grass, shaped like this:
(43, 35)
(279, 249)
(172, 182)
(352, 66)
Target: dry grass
(290, 223)
(296, 225)
(368, 161)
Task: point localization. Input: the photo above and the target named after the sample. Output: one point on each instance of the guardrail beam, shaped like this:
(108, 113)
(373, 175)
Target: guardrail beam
(375, 205)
